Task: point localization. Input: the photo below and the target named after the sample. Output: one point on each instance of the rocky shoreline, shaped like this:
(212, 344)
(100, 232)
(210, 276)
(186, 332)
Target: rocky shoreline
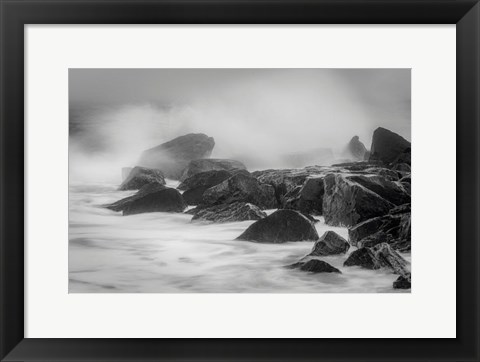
(369, 194)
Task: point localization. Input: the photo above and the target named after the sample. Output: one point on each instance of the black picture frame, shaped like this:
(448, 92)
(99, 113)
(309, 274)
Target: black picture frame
(15, 14)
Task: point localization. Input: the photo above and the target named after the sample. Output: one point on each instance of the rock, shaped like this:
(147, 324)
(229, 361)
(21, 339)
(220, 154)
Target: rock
(388, 146)
(141, 176)
(403, 282)
(405, 157)
(388, 190)
(379, 256)
(125, 172)
(144, 191)
(348, 203)
(393, 228)
(307, 198)
(174, 156)
(318, 266)
(210, 164)
(280, 227)
(197, 184)
(163, 200)
(237, 211)
(356, 149)
(403, 168)
(330, 243)
(406, 179)
(241, 187)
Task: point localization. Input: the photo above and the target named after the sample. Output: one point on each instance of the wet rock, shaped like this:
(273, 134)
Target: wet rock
(388, 147)
(393, 228)
(141, 176)
(403, 168)
(307, 198)
(144, 191)
(210, 164)
(389, 190)
(173, 157)
(197, 184)
(403, 282)
(241, 187)
(330, 243)
(279, 227)
(237, 211)
(348, 203)
(379, 256)
(165, 200)
(314, 265)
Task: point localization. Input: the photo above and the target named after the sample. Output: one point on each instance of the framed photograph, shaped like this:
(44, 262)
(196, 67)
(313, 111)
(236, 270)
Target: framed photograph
(240, 180)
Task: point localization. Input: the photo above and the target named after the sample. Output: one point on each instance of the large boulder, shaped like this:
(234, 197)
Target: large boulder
(280, 227)
(379, 256)
(347, 203)
(330, 243)
(356, 149)
(197, 184)
(403, 282)
(141, 176)
(210, 164)
(173, 157)
(307, 198)
(389, 147)
(150, 198)
(314, 265)
(238, 211)
(241, 187)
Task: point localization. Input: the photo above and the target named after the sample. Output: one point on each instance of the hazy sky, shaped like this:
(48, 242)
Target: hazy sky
(247, 111)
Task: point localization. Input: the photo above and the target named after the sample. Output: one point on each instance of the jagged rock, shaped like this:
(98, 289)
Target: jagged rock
(406, 179)
(197, 184)
(141, 176)
(314, 265)
(388, 146)
(403, 282)
(356, 149)
(330, 243)
(307, 198)
(144, 191)
(237, 211)
(164, 200)
(389, 190)
(241, 187)
(347, 203)
(173, 156)
(403, 168)
(393, 228)
(210, 164)
(405, 157)
(280, 227)
(379, 256)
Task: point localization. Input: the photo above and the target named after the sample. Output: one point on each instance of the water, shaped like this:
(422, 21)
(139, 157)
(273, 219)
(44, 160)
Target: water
(167, 253)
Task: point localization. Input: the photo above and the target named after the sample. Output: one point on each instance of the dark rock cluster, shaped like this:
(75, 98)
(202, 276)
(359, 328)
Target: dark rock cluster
(370, 195)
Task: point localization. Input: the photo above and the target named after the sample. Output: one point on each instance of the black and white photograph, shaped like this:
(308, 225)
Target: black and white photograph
(223, 180)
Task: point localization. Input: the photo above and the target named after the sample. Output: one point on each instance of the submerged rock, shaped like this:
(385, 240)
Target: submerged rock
(141, 176)
(280, 227)
(173, 157)
(389, 147)
(330, 243)
(318, 266)
(237, 211)
(145, 190)
(241, 187)
(347, 203)
(210, 164)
